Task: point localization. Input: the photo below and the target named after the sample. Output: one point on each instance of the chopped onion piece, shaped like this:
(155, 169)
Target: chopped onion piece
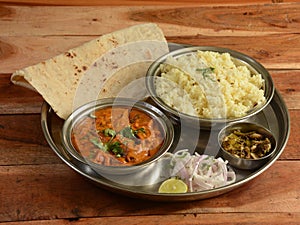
(200, 172)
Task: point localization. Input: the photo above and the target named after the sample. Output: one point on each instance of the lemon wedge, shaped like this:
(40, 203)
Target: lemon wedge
(173, 185)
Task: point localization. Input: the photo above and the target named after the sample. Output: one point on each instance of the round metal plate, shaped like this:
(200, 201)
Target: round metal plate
(274, 117)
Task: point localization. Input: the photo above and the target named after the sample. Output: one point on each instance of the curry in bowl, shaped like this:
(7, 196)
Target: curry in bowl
(117, 134)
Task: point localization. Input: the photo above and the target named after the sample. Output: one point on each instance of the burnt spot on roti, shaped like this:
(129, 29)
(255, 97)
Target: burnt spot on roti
(70, 54)
(79, 70)
(114, 65)
(114, 41)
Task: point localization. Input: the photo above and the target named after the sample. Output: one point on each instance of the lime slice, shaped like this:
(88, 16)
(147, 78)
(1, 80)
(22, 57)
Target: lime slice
(173, 185)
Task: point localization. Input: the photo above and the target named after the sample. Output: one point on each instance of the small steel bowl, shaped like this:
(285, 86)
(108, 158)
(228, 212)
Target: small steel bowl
(88, 109)
(242, 163)
(208, 123)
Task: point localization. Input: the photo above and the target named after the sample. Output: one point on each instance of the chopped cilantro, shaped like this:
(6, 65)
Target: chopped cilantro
(115, 148)
(206, 72)
(142, 130)
(127, 132)
(98, 144)
(130, 133)
(109, 132)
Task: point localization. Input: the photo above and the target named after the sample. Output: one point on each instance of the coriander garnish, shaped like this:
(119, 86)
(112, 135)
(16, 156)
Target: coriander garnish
(206, 72)
(109, 132)
(115, 147)
(127, 132)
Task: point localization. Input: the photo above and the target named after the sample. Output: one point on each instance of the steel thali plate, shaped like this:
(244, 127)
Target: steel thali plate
(274, 117)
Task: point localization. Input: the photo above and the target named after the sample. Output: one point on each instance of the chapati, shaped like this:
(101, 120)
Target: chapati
(96, 69)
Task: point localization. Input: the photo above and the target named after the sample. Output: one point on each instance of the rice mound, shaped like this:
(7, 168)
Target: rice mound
(209, 85)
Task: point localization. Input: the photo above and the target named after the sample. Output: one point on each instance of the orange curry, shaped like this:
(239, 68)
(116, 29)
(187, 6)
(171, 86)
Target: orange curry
(118, 136)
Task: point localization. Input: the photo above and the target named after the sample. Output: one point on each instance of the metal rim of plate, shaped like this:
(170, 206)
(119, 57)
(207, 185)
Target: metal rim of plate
(275, 117)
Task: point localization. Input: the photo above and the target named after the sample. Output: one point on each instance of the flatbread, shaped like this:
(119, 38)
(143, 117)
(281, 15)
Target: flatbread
(85, 73)
(117, 69)
(122, 84)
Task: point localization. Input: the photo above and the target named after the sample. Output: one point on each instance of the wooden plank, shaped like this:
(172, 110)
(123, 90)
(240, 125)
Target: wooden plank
(17, 52)
(16, 100)
(136, 2)
(22, 141)
(288, 85)
(288, 88)
(182, 219)
(273, 51)
(56, 192)
(292, 148)
(227, 20)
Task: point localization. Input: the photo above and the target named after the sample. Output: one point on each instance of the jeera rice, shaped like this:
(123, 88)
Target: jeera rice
(209, 85)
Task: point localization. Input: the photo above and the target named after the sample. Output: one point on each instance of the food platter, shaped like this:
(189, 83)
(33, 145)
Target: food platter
(274, 117)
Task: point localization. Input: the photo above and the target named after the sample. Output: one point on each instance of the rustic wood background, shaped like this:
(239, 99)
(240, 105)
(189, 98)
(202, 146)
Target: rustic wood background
(37, 187)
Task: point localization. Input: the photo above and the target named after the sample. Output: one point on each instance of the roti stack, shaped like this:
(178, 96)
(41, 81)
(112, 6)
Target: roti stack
(108, 66)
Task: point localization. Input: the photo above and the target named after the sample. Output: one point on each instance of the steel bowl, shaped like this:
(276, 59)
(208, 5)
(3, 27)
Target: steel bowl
(88, 109)
(242, 163)
(208, 123)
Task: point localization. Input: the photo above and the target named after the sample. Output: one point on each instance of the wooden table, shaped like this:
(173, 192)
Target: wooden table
(38, 188)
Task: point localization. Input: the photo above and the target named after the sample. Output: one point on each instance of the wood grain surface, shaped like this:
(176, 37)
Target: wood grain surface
(136, 2)
(225, 20)
(36, 187)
